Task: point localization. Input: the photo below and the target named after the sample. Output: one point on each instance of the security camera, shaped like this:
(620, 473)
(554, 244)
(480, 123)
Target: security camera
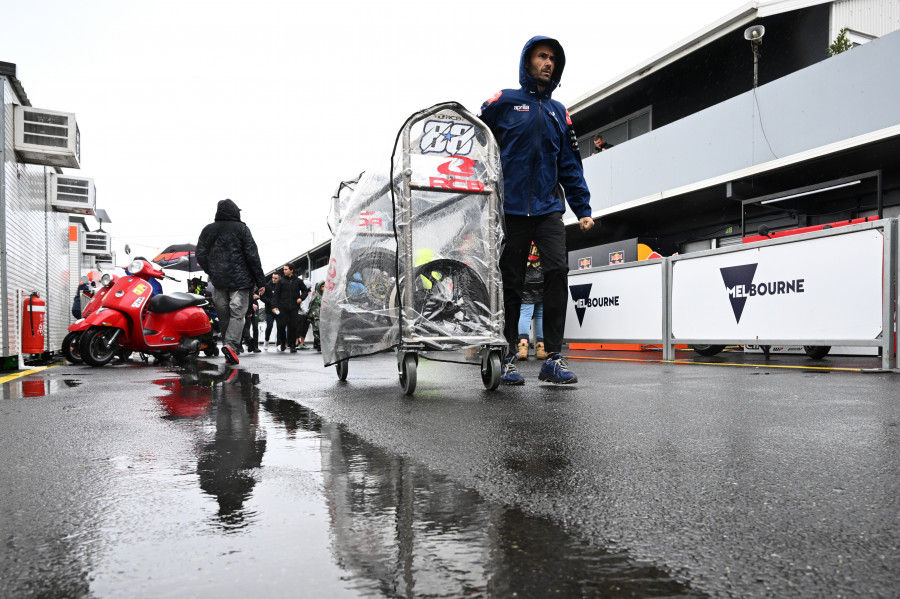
(754, 33)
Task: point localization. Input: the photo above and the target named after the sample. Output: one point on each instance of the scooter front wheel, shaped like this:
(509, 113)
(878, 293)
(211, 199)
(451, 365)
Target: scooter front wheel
(99, 345)
(71, 347)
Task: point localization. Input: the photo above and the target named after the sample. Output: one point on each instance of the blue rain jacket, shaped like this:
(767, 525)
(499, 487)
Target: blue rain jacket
(538, 148)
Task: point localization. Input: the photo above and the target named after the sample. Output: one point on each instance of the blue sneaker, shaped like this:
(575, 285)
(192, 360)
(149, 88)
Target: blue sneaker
(556, 370)
(510, 374)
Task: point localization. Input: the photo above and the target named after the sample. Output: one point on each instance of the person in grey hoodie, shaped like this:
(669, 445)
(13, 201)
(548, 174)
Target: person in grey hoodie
(227, 252)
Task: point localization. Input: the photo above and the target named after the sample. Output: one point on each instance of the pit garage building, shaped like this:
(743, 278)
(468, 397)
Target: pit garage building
(46, 244)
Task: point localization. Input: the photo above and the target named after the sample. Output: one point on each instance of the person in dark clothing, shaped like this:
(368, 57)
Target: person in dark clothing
(250, 334)
(85, 288)
(227, 252)
(81, 297)
(267, 295)
(289, 294)
(538, 152)
(600, 145)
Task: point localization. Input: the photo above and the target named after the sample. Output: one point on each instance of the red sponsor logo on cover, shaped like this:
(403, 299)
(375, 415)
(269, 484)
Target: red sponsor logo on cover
(458, 170)
(368, 219)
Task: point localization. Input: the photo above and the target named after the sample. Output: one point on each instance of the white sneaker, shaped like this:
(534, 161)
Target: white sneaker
(266, 345)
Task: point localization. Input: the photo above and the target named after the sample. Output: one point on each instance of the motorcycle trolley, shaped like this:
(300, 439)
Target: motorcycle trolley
(429, 284)
(359, 310)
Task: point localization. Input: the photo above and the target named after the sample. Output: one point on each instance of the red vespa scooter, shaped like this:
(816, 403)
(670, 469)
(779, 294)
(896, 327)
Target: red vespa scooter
(132, 317)
(71, 345)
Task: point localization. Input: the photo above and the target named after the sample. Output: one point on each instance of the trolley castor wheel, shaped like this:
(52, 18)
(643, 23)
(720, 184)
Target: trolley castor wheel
(491, 370)
(407, 367)
(342, 367)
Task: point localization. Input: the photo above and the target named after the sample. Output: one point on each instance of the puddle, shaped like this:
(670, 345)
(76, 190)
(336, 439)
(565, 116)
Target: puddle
(30, 387)
(399, 526)
(394, 527)
(222, 490)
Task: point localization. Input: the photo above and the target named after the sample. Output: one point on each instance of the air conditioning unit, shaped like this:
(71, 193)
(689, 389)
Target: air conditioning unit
(47, 137)
(73, 194)
(97, 243)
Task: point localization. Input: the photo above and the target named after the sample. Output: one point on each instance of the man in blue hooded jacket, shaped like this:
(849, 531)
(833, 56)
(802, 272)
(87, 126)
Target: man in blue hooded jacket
(539, 153)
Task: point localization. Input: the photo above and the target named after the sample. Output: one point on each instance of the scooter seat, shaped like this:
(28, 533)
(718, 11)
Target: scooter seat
(170, 302)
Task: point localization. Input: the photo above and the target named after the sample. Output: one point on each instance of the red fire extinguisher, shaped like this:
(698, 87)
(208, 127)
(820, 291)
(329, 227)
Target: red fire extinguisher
(35, 311)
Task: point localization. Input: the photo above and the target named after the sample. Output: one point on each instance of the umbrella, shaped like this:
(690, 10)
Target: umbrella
(169, 257)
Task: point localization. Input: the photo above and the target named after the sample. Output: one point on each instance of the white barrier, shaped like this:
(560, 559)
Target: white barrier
(617, 304)
(831, 287)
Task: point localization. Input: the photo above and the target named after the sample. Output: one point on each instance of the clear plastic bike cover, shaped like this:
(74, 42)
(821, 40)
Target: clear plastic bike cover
(339, 202)
(414, 263)
(359, 312)
(448, 211)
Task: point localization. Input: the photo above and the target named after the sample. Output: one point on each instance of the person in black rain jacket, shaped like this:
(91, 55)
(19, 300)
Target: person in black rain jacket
(227, 252)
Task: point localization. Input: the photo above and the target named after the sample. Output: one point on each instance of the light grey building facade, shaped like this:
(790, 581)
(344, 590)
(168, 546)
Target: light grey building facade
(694, 141)
(42, 217)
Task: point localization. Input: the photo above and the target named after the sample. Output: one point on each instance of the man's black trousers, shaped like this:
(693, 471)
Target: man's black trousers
(549, 235)
(270, 320)
(287, 326)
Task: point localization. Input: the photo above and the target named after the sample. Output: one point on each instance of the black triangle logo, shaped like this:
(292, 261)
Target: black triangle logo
(734, 276)
(580, 292)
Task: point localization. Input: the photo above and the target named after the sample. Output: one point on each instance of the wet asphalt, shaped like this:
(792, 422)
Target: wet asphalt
(730, 476)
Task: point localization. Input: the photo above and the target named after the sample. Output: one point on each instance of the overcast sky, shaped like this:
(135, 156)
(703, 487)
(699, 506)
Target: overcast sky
(184, 103)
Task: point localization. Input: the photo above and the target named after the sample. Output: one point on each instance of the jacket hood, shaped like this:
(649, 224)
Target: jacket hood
(228, 210)
(528, 82)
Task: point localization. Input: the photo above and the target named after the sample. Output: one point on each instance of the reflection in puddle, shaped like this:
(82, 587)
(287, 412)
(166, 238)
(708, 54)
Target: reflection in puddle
(405, 531)
(34, 387)
(229, 400)
(396, 529)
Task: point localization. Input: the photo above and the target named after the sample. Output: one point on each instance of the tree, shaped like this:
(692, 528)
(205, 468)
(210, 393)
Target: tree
(840, 43)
